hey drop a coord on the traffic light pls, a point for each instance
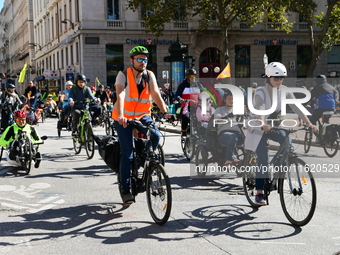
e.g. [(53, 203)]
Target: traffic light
[(190, 61)]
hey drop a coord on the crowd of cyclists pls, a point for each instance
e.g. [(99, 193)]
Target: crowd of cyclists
[(136, 91)]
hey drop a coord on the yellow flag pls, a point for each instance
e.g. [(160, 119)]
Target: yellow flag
[(22, 74), (98, 82), (225, 73)]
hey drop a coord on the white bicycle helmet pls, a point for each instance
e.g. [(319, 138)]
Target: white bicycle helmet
[(69, 83), (276, 69)]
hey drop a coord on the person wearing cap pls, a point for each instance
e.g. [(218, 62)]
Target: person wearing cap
[(258, 133), (325, 96), (10, 103), (136, 88), (11, 133)]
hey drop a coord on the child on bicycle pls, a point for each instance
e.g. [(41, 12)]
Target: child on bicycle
[(256, 138), (11, 134)]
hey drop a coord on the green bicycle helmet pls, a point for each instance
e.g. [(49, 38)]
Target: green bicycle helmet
[(138, 50)]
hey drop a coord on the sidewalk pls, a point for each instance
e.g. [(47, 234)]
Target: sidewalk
[(297, 137)]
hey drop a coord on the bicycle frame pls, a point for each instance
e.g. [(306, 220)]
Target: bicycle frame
[(281, 158), (84, 118)]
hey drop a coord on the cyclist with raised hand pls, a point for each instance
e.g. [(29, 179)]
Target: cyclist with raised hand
[(326, 97), (188, 89), (10, 102), (258, 133), (11, 134), (136, 87), (77, 95)]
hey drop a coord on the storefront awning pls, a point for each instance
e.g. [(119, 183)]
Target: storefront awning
[(24, 56), (39, 78)]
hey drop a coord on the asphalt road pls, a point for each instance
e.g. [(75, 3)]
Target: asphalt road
[(71, 205)]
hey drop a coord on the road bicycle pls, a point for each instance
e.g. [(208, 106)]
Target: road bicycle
[(84, 132), (153, 179), (328, 136), (290, 176)]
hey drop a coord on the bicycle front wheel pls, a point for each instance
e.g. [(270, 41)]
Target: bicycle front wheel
[(158, 194), (76, 143), (27, 159), (188, 148), (307, 142), (249, 178), (89, 141), (297, 193)]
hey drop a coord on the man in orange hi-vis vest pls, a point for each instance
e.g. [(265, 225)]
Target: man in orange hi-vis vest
[(136, 87)]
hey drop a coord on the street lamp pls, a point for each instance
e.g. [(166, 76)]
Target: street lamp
[(65, 22), (210, 69)]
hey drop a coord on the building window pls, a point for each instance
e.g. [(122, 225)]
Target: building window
[(66, 56), (113, 11), (62, 59), (114, 62), (333, 56), (304, 57), (71, 54), (145, 11), (70, 9), (58, 63), (77, 53), (91, 40), (274, 53), (242, 61)]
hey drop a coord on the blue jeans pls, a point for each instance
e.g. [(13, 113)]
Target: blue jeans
[(263, 157), (229, 139), (126, 148)]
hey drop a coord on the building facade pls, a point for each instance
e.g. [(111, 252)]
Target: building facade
[(60, 38)]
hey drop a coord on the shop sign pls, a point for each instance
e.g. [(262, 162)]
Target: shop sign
[(141, 41), (275, 42)]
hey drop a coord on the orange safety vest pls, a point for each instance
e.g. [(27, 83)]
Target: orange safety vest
[(135, 105)]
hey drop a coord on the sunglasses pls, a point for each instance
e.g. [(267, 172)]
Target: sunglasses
[(278, 78), (140, 60)]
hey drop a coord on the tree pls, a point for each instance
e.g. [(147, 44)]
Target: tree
[(328, 22), (156, 13)]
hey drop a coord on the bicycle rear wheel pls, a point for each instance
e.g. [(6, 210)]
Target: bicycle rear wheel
[(201, 161), (249, 176), (1, 153), (189, 148), (331, 147), (89, 141), (298, 193), (158, 194), (308, 140)]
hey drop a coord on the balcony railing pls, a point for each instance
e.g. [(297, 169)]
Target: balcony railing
[(180, 25), (116, 24)]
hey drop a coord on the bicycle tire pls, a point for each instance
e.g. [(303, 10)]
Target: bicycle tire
[(89, 141), (1, 153), (160, 154), (201, 161), (107, 126), (331, 148), (298, 203), (188, 148), (249, 178), (27, 160), (158, 194), (240, 154), (308, 141), (76, 144)]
